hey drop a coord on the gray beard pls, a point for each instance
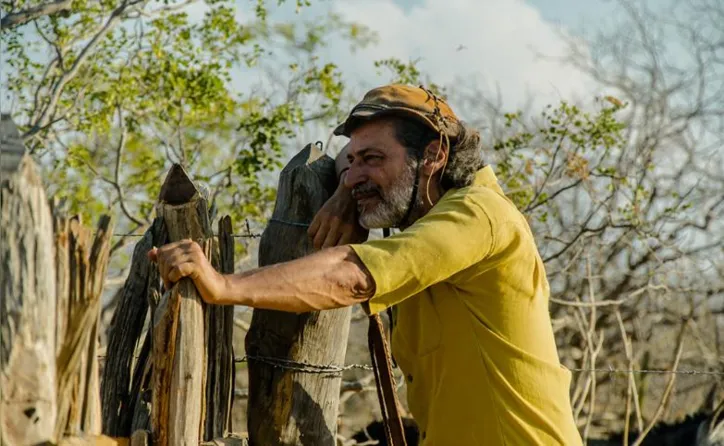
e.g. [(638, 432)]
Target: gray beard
[(392, 207)]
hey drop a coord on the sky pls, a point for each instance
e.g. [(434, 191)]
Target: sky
[(497, 43), (508, 46), (510, 49)]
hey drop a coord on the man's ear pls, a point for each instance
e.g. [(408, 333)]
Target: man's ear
[(435, 157)]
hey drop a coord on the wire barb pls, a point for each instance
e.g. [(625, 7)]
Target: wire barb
[(304, 367)]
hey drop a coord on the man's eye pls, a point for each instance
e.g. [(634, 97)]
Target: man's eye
[(372, 157)]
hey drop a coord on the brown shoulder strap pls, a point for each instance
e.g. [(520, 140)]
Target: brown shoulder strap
[(385, 380)]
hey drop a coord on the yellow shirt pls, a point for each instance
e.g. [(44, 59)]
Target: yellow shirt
[(473, 334)]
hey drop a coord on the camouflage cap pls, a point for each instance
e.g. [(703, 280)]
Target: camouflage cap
[(403, 100)]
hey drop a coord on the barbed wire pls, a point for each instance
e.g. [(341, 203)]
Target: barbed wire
[(247, 234), (305, 367), (252, 235), (653, 371), (316, 368), (333, 369)]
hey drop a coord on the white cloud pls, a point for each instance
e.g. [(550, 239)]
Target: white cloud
[(501, 40)]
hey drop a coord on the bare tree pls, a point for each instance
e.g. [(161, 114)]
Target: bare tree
[(626, 199)]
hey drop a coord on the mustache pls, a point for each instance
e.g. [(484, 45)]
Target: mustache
[(365, 189)]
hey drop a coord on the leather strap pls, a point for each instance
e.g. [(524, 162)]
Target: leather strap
[(385, 380)]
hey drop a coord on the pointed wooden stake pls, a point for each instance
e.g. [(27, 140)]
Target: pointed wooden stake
[(286, 406)]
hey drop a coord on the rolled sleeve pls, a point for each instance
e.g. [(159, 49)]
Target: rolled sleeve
[(454, 235)]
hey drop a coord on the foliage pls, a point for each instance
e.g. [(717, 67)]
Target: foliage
[(110, 92), (408, 73)]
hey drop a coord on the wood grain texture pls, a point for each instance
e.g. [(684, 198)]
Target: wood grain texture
[(165, 329), (227, 441), (62, 271), (77, 392), (185, 214), (142, 382), (11, 146), (125, 334), (92, 440), (220, 326), (140, 438), (289, 407), (28, 409), (141, 387)]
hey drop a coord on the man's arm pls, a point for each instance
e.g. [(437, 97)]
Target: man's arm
[(332, 278)]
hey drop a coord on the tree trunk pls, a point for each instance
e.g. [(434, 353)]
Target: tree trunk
[(28, 408), (295, 407)]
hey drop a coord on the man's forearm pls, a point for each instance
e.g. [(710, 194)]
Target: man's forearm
[(332, 278)]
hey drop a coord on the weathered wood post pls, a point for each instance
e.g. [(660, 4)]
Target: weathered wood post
[(125, 333), (179, 345), (295, 405), (187, 333), (81, 275), (28, 406), (220, 332), (52, 273)]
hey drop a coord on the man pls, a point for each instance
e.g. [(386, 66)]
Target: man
[(473, 334)]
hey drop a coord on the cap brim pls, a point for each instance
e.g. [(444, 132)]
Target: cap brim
[(362, 114), (345, 128)]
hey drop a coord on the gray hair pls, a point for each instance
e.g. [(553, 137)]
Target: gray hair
[(464, 159)]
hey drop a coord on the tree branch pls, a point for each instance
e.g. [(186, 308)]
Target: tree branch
[(67, 76), (117, 171), (13, 20)]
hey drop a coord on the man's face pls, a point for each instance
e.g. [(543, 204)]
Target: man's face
[(381, 174)]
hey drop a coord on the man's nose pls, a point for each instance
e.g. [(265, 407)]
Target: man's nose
[(354, 176)]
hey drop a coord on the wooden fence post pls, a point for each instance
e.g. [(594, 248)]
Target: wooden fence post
[(82, 274), (295, 405), (179, 344), (220, 376), (187, 333), (52, 272), (28, 406), (124, 334)]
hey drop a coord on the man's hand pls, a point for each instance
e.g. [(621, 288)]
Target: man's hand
[(336, 223), (185, 258)]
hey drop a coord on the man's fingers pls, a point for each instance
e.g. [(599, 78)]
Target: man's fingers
[(321, 235), (185, 245), (314, 227), (168, 261), (332, 235), (163, 270), (346, 238), (176, 260), (179, 271), (331, 240), (153, 254), (172, 253)]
